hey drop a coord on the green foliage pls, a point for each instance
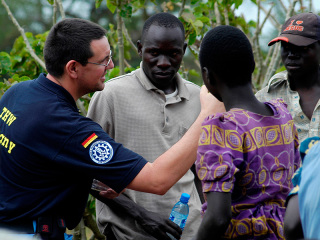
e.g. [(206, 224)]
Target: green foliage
[(91, 205), (126, 7), (5, 63), (21, 61), (51, 2), (18, 65), (126, 11), (193, 72), (111, 5)]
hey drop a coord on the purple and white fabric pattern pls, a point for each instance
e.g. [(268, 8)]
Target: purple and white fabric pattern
[(253, 157)]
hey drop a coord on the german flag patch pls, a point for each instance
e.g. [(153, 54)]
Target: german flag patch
[(89, 140)]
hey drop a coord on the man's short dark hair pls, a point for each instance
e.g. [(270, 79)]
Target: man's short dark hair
[(163, 19), (70, 39), (227, 51)]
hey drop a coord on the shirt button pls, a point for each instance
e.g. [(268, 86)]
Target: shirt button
[(302, 117), (299, 130), (313, 119)]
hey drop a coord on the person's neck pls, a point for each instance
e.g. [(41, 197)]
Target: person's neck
[(304, 82), (167, 89), (63, 83), (244, 98), (237, 97)]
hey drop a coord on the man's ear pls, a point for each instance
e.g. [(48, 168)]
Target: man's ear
[(205, 76), (71, 68), (139, 46), (184, 47)]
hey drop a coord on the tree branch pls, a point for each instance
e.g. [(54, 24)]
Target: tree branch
[(272, 19), (120, 38), (21, 30), (126, 34), (283, 6), (226, 15), (182, 8), (90, 222), (217, 13), (54, 12), (63, 15)]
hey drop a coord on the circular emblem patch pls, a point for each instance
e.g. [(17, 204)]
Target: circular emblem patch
[(101, 152)]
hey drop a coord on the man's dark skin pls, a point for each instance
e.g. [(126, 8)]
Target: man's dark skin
[(302, 64), (161, 50)]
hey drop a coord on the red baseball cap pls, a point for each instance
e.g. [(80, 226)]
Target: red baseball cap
[(301, 30)]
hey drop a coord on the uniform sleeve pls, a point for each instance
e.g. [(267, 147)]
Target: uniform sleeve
[(216, 154), (92, 153)]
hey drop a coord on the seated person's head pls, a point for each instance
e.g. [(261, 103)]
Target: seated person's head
[(70, 39), (226, 52)]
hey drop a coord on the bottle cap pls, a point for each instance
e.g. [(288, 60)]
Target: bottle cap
[(184, 197)]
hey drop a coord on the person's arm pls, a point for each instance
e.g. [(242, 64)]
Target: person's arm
[(158, 177), (198, 184), (217, 216), (153, 223), (292, 222)]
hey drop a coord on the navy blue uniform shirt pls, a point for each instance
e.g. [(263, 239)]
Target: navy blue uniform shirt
[(49, 154)]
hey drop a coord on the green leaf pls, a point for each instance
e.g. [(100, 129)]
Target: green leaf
[(113, 73), (204, 19), (193, 72), (198, 23), (129, 69), (252, 23), (98, 3), (5, 62), (15, 77), (127, 55), (51, 2), (238, 3), (192, 38), (111, 6), (126, 12), (24, 78), (188, 17)]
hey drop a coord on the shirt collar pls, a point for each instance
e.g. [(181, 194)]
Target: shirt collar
[(55, 88), (183, 91), (279, 77)]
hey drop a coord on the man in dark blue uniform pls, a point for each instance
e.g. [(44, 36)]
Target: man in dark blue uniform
[(49, 153)]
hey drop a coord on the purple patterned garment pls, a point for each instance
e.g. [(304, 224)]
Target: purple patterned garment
[(253, 157)]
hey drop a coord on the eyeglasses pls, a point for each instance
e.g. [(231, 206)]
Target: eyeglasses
[(105, 65)]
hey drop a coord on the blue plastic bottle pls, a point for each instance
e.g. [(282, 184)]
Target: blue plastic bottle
[(180, 212)]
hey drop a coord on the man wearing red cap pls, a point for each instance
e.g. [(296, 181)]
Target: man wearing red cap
[(298, 86)]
